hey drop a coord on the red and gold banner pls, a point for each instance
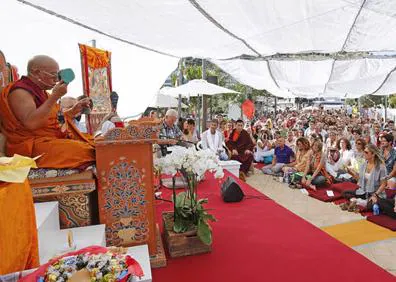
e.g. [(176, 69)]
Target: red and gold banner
[(4, 79), (96, 72)]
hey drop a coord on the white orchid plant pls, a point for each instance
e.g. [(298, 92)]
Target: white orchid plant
[(190, 160), (189, 212)]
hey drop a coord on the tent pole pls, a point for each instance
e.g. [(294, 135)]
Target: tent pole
[(199, 113), (180, 82), (204, 99), (386, 107)]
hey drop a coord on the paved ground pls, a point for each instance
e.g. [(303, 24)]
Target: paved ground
[(323, 214)]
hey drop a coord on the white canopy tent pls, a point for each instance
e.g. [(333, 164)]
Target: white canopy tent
[(165, 101), (198, 87), (230, 31)]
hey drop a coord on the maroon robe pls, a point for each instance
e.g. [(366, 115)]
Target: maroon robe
[(39, 95), (243, 143)]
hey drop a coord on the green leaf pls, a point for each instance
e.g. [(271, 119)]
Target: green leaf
[(180, 198), (207, 217), (204, 233), (177, 225), (203, 201)]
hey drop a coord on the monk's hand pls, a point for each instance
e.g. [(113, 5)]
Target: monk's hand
[(79, 106), (248, 152), (235, 152), (59, 90)]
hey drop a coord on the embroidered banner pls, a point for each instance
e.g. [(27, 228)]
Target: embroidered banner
[(96, 72)]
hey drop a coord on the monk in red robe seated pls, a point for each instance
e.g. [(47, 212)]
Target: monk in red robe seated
[(30, 122), (241, 146)]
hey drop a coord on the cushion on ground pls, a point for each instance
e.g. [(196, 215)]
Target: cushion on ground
[(321, 195), (383, 220), (390, 194), (344, 186), (259, 165)]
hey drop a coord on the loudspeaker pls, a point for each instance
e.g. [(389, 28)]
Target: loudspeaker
[(231, 191)]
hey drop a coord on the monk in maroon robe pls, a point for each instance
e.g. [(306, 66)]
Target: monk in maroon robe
[(241, 146)]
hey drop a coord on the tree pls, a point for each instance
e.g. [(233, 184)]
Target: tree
[(392, 101)]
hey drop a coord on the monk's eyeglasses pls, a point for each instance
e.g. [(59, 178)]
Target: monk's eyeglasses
[(52, 75)]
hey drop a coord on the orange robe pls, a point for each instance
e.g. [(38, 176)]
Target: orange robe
[(64, 147), (18, 237)]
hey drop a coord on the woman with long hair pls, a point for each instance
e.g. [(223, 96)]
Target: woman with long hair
[(315, 174), (189, 132), (345, 156), (301, 161), (358, 159), (371, 176)]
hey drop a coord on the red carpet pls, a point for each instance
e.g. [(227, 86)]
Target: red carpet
[(258, 240)]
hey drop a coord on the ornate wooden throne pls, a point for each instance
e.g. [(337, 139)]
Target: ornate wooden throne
[(124, 158)]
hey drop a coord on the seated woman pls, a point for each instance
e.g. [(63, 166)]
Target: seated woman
[(370, 178), (301, 161), (331, 142), (358, 159), (189, 133), (337, 168), (315, 174)]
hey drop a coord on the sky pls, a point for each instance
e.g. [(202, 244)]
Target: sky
[(137, 73)]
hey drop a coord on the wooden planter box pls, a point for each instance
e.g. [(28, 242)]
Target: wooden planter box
[(182, 244)]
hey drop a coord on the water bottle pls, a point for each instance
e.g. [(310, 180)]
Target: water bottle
[(286, 179), (376, 209)]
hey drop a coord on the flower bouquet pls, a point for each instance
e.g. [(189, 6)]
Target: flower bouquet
[(189, 215)]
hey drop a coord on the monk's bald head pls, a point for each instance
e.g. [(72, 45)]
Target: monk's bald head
[(42, 62), (67, 103)]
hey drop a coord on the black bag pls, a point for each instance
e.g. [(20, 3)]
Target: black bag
[(231, 191)]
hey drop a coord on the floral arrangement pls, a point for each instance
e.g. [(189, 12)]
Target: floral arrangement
[(189, 213), (189, 160), (109, 266)]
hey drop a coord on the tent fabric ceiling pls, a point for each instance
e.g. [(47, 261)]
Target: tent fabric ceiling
[(225, 30)]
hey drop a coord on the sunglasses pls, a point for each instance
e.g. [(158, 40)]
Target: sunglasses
[(366, 152)]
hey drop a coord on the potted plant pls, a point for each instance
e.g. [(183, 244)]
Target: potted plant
[(187, 228)]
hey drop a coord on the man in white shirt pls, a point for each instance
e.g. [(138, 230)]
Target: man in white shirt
[(212, 140)]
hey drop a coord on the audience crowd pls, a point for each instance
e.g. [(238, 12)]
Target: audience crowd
[(311, 149)]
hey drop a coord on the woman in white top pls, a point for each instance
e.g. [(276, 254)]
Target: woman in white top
[(346, 154)]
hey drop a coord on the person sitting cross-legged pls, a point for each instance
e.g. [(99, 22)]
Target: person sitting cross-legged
[(299, 165), (212, 139), (282, 156), (241, 146), (371, 178), (315, 174)]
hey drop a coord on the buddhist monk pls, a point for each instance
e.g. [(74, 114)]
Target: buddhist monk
[(30, 122), (241, 146), (18, 239)]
